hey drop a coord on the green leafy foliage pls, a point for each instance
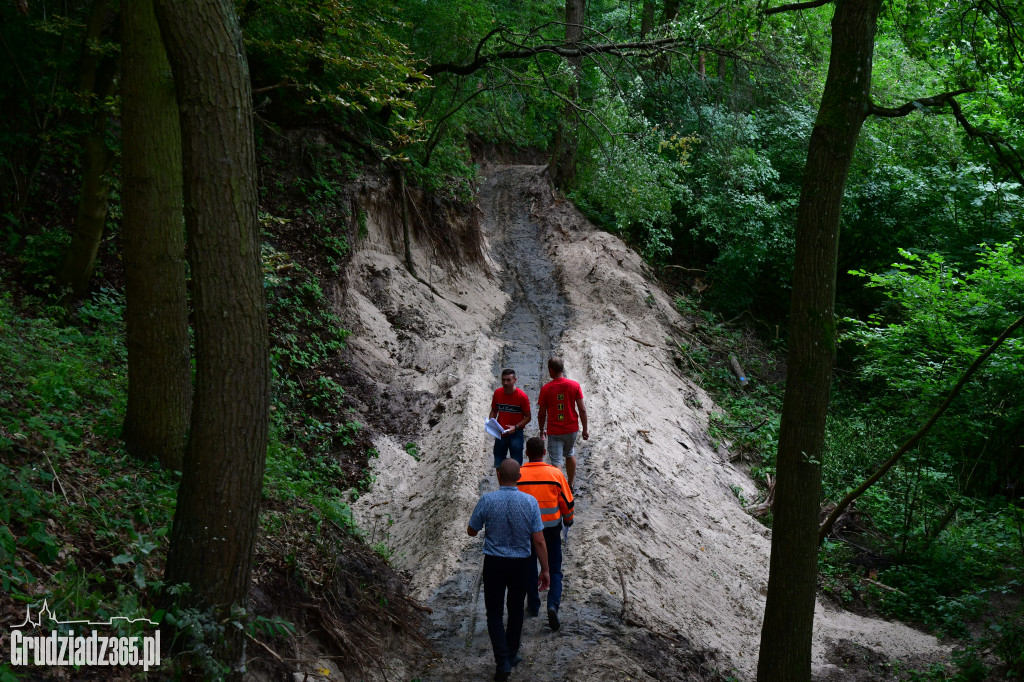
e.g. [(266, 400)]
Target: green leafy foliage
[(952, 542), (743, 208), (938, 318), (631, 180), (341, 57)]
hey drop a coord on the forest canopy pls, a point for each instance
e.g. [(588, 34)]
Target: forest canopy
[(686, 128)]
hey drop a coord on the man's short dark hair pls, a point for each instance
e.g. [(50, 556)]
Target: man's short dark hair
[(508, 370), (535, 447), (555, 365), (508, 471)]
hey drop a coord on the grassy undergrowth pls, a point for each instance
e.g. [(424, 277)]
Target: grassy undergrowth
[(916, 547), (86, 528)]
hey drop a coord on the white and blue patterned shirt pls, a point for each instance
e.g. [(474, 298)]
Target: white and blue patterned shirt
[(509, 518)]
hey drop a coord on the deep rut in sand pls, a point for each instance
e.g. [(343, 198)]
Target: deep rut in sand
[(662, 553), (529, 332)]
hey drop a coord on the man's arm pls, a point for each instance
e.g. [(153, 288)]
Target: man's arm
[(582, 412), (526, 418), (566, 503), (479, 517), (541, 547)]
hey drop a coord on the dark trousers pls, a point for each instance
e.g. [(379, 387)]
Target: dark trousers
[(503, 575), (553, 539)]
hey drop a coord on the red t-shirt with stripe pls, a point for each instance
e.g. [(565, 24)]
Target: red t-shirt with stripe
[(510, 408)]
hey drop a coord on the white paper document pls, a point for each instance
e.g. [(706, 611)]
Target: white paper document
[(493, 428)]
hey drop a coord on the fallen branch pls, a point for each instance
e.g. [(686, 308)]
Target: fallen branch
[(419, 607), (883, 586), (762, 508), (271, 651), (680, 267), (642, 343), (437, 293), (57, 478)]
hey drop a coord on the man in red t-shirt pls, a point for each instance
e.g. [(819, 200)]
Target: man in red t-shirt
[(560, 406), (512, 408)]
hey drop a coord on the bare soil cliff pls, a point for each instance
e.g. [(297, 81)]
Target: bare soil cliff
[(665, 574)]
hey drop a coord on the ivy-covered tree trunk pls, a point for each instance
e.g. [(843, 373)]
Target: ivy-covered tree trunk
[(159, 371), (785, 653), (214, 529), (563, 160), (95, 83)]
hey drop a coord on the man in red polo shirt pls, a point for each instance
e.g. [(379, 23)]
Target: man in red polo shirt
[(511, 406), (561, 408)]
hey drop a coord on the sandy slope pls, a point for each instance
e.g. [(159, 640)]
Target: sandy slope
[(663, 564)]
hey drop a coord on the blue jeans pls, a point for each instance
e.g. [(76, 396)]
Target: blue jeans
[(511, 445), (501, 574), (553, 539)]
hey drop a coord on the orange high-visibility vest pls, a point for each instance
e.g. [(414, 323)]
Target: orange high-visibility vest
[(548, 485)]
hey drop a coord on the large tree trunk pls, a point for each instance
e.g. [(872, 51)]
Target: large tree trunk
[(563, 160), (159, 372), (785, 653), (218, 501), (671, 11), (95, 84), (646, 19)]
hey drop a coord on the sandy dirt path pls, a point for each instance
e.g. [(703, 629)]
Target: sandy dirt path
[(665, 574)]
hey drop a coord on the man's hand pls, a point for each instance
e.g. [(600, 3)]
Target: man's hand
[(586, 434), (509, 431), (543, 433), (541, 548)]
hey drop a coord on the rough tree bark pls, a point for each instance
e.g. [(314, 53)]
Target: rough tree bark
[(95, 83), (785, 653), (159, 372), (215, 522), (646, 19), (563, 159)]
